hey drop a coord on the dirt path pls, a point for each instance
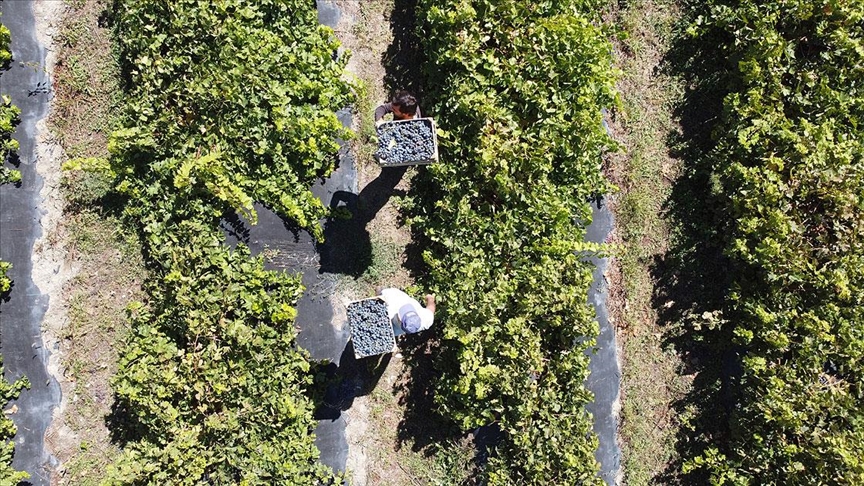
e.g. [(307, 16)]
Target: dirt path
[(364, 30), (652, 377), (90, 264), (52, 269), (388, 435)]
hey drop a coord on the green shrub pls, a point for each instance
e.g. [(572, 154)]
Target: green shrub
[(517, 87), (790, 157), (229, 102)]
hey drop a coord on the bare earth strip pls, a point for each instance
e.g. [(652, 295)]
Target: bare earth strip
[(652, 371), (51, 269), (93, 264)]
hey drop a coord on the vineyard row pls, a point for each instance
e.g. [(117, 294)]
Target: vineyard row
[(228, 103), (517, 87), (789, 156)]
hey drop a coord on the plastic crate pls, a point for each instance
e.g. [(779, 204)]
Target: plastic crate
[(389, 124), (390, 327)]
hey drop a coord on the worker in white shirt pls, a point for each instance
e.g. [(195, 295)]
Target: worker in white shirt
[(406, 314)]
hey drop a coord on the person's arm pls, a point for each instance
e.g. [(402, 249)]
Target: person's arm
[(383, 110), (427, 314)]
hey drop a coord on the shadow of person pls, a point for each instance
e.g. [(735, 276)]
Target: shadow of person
[(350, 379), (375, 195), (347, 247)]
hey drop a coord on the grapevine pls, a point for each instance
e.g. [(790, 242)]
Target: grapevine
[(516, 88), (8, 392), (228, 103), (790, 160), (5, 41), (8, 118)]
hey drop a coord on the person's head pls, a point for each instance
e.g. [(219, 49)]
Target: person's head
[(404, 106), (410, 320)]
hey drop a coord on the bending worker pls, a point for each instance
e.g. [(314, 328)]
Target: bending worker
[(404, 107), (406, 314)]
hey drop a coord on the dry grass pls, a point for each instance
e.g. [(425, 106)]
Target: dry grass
[(86, 81), (110, 276)]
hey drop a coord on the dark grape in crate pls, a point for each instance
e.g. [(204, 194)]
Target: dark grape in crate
[(407, 142), (371, 329)]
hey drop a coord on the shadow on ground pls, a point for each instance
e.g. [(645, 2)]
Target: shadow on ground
[(423, 428), (350, 379), (403, 60), (694, 276), (347, 247)]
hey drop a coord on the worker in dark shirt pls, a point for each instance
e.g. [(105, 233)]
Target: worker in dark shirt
[(404, 107)]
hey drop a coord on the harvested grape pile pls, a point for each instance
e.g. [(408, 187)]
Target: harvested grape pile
[(371, 330), (405, 142)]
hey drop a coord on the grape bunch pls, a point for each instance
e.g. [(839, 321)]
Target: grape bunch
[(405, 142), (371, 330)]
